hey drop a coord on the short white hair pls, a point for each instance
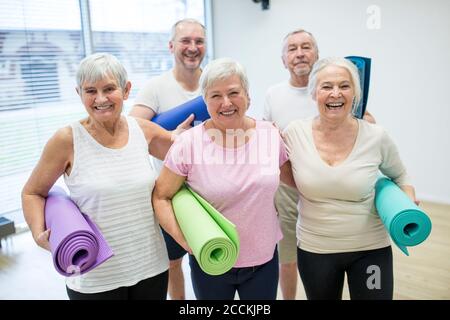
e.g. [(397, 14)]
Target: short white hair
[(340, 62), (98, 66), (314, 42), (221, 69)]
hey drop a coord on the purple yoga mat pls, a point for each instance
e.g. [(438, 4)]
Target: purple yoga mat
[(76, 243)]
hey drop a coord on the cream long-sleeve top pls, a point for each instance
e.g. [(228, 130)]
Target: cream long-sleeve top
[(337, 210)]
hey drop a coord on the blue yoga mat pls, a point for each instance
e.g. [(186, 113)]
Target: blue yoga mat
[(170, 119), (363, 64), (406, 223)]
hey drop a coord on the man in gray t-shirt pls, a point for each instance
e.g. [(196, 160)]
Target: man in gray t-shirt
[(162, 93), (285, 102)]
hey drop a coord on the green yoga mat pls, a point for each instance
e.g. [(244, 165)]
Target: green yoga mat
[(406, 223), (213, 239)]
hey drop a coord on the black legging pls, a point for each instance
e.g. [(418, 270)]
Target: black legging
[(252, 283), (323, 274), (154, 288)]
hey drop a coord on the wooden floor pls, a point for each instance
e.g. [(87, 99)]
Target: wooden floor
[(26, 271)]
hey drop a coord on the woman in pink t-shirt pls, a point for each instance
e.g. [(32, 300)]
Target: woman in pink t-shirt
[(235, 163)]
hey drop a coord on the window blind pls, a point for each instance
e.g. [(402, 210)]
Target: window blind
[(138, 34), (41, 44)]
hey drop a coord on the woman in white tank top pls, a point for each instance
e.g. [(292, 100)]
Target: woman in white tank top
[(105, 164)]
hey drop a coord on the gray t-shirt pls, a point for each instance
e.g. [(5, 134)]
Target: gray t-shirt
[(161, 94), (285, 103)]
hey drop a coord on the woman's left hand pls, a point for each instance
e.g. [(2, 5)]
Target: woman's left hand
[(411, 193), (185, 125)]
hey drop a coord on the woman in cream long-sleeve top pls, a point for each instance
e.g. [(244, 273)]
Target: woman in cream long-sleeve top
[(335, 161)]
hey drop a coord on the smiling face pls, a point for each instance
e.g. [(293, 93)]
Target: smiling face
[(188, 45), (227, 103), (299, 54), (334, 92), (103, 99)]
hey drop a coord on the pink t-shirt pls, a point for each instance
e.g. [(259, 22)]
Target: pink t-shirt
[(239, 182)]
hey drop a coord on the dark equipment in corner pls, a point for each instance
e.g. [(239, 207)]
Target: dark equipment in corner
[(265, 4), (6, 228)]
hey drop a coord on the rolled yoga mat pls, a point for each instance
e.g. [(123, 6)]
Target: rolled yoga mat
[(406, 223), (213, 238), (364, 65), (76, 243), (170, 119)]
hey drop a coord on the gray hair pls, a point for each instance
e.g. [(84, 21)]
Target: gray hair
[(221, 69), (99, 66), (173, 31), (314, 42), (340, 62)]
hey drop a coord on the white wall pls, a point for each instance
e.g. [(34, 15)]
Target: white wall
[(410, 83)]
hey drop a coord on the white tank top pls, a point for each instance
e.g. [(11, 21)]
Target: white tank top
[(113, 187)]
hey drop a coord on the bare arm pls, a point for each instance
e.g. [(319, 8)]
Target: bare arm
[(54, 161), (143, 112), (159, 140), (286, 174), (166, 186)]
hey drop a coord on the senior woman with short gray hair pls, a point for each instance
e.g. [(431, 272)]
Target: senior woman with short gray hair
[(335, 161), (104, 159), (235, 163)]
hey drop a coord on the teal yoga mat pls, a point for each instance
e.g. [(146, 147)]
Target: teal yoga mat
[(406, 223), (213, 238)]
